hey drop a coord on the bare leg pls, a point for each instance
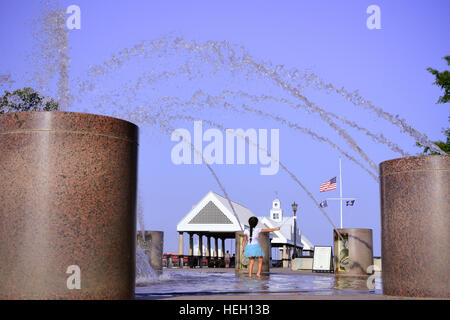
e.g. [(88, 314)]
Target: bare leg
[(260, 262), (250, 267)]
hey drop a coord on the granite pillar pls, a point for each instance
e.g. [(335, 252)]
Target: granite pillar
[(415, 223), (68, 200), (153, 247), (355, 255)]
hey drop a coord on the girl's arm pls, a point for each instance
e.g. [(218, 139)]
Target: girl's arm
[(270, 230), (244, 243)]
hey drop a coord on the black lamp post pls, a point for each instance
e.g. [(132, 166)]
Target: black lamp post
[(294, 208)]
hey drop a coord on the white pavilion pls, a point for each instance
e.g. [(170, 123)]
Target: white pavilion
[(213, 217)]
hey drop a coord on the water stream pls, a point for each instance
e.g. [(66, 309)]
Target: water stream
[(176, 61)]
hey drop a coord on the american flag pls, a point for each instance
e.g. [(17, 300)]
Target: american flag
[(329, 185)]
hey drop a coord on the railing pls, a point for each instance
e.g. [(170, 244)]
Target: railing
[(185, 261)]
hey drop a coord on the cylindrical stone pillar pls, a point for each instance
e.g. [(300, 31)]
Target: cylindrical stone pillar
[(153, 247), (67, 206), (355, 255), (415, 223), (264, 241)]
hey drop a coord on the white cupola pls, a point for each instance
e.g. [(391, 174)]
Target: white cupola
[(276, 213)]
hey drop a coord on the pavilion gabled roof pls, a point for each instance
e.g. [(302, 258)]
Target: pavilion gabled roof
[(215, 214)]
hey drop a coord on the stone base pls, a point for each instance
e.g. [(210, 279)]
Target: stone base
[(415, 221), (68, 206)]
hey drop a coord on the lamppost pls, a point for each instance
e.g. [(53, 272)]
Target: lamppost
[(294, 208)]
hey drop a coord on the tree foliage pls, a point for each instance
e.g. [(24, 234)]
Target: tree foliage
[(443, 81), (26, 99), (444, 146)]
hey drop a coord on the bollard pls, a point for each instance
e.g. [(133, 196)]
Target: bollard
[(415, 223), (68, 201), (264, 241), (355, 255), (153, 247)]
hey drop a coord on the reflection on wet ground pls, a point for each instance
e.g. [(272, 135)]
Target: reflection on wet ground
[(179, 283)]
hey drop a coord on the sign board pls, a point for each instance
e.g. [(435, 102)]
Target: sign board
[(323, 259)]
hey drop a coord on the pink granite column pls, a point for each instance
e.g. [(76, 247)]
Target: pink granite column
[(67, 213), (415, 207)]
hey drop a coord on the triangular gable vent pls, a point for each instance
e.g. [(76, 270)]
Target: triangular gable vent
[(210, 214)]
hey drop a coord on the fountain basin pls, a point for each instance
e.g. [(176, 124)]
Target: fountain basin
[(68, 194), (415, 210)]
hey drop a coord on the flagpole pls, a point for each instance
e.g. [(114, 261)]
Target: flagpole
[(340, 186)]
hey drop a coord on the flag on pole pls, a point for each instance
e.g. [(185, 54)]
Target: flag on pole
[(323, 204), (349, 203), (329, 185)]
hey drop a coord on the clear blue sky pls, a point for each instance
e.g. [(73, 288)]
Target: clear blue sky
[(329, 38)]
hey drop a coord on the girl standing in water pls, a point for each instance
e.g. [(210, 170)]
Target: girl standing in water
[(253, 249)]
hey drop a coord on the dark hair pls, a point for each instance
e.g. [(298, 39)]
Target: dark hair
[(253, 221)]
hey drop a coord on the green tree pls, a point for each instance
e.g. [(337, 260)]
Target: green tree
[(26, 99), (444, 146), (443, 81)]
